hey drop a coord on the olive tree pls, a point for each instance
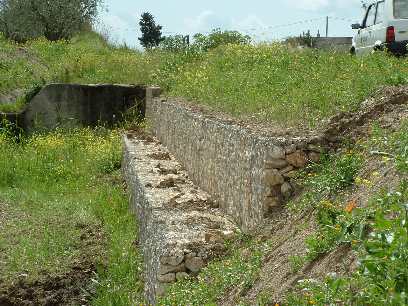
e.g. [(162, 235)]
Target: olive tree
[(55, 19)]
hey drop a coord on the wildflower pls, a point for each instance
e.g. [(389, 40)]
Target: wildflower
[(351, 206)]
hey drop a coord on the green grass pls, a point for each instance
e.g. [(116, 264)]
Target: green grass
[(238, 270), (378, 233), (63, 205), (268, 82)]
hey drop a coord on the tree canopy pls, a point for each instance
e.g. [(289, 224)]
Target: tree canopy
[(151, 33), (21, 20)]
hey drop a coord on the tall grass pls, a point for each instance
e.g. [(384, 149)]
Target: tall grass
[(268, 82), (64, 207)]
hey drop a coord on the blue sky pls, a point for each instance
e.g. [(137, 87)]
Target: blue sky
[(264, 20)]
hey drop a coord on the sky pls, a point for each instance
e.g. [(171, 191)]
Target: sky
[(263, 20)]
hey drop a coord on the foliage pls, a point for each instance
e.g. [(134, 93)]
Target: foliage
[(56, 189), (21, 20), (233, 271), (151, 33), (219, 38), (323, 180), (382, 277), (379, 233), (176, 43), (266, 82), (87, 58)]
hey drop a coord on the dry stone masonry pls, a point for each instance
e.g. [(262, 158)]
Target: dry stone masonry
[(181, 227), (247, 172)]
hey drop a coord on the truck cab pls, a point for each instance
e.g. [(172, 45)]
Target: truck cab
[(384, 27)]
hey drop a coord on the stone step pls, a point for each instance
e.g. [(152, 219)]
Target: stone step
[(180, 227)]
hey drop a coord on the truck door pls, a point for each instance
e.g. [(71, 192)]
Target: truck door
[(364, 36)]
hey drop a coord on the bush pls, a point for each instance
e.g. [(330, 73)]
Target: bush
[(219, 38)]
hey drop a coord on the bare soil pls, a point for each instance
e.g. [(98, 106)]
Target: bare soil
[(74, 287)]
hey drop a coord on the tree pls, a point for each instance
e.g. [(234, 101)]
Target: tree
[(57, 19), (151, 33)]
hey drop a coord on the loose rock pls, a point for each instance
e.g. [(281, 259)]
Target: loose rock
[(298, 159), (195, 264), (164, 269), (181, 276), (273, 177), (286, 190), (167, 278), (276, 164), (314, 157)]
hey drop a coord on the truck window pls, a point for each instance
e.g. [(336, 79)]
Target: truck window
[(401, 9), (370, 19), (380, 12)]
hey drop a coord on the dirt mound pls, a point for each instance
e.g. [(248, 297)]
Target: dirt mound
[(387, 107), (71, 289)]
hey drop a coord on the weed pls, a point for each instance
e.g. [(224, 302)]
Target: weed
[(296, 262), (379, 233), (67, 208), (237, 270), (268, 82)]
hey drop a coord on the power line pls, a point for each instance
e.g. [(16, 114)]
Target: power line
[(256, 31)]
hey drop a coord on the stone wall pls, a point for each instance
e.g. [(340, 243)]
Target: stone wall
[(332, 43), (248, 173), (180, 227)]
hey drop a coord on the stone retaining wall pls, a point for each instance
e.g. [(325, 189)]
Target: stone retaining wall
[(248, 173), (180, 226)]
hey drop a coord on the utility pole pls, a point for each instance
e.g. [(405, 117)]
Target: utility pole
[(327, 26), (186, 40)]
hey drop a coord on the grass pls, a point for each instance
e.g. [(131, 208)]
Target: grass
[(64, 207), (378, 233), (238, 270), (268, 82)]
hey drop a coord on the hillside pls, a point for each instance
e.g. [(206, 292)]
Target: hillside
[(342, 240), (268, 83)]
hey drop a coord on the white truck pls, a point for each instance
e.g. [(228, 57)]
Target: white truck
[(384, 27)]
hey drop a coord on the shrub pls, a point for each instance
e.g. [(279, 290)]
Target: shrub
[(219, 38)]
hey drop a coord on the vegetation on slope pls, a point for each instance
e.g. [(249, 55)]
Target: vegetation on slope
[(71, 175), (270, 82), (64, 215), (378, 233)]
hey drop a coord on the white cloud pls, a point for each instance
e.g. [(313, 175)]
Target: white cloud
[(315, 5), (309, 5), (205, 22)]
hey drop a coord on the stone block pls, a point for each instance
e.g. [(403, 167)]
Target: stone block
[(167, 278), (181, 276), (272, 177), (195, 264), (276, 164), (297, 159)]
